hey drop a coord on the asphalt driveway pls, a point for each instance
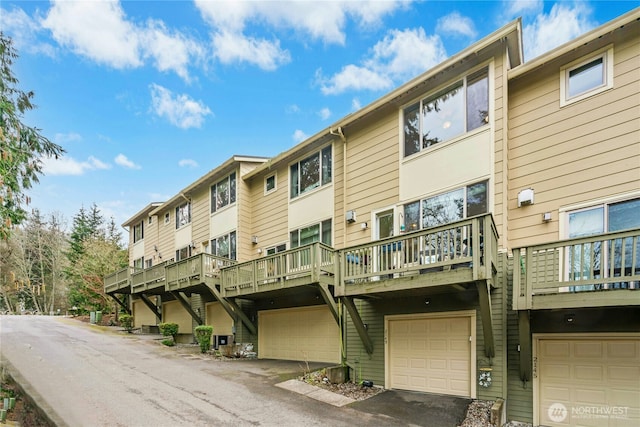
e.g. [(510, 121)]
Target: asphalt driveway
[(84, 375)]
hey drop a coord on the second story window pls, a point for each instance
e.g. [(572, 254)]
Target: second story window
[(448, 207), (225, 246), (183, 215), (444, 115), (320, 232), (138, 232), (311, 172), (223, 193)]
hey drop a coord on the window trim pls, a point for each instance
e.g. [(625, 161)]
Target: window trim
[(465, 191), (320, 231), (606, 54), (167, 218), (322, 180), (233, 249), (565, 211), (275, 183), (139, 225), (179, 207), (439, 91), (233, 195)]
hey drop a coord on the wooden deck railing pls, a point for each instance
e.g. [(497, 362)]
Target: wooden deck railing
[(195, 270), (118, 280), (471, 243), (548, 274), (307, 264), (149, 278)]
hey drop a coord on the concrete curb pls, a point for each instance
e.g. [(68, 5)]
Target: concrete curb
[(316, 393), (35, 399)]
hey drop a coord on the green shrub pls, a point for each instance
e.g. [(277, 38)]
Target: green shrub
[(203, 336), (169, 330), (169, 343), (126, 321)]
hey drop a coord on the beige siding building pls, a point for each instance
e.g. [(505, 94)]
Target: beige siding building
[(475, 232)]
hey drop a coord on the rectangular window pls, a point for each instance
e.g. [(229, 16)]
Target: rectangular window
[(444, 115), (183, 215), (320, 232), (448, 207), (269, 183), (586, 77), (138, 263), (276, 249), (223, 193), (138, 232), (311, 172), (150, 220), (148, 263), (183, 253), (167, 218), (225, 246), (586, 259)]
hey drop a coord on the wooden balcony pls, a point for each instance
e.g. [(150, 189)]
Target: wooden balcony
[(595, 271), (149, 280), (119, 282), (455, 254), (306, 265), (194, 271)]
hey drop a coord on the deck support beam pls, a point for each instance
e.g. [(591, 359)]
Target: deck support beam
[(121, 303), (145, 299), (182, 299), (524, 332), (328, 298), (232, 309), (486, 315), (359, 325)]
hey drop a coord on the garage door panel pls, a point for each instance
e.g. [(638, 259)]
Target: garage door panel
[(589, 374), (430, 354), (308, 333)]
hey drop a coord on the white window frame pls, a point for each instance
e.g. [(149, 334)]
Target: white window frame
[(464, 84), (275, 183), (230, 236), (167, 218), (607, 80), (187, 221), (321, 182), (138, 226), (233, 192)]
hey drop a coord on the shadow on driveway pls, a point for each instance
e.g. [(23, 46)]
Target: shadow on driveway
[(419, 409)]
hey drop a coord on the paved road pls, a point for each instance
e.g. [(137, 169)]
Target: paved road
[(92, 376)]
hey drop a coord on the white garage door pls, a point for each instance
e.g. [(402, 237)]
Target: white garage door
[(307, 333), (588, 381), (430, 354)]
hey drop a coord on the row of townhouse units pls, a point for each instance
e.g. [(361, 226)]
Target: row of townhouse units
[(475, 232)]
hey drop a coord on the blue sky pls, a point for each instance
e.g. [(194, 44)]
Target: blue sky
[(147, 96)]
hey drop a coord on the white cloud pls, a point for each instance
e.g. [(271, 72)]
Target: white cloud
[(180, 110), (299, 136), (398, 57), (233, 47), (456, 24), (562, 24), (188, 163), (71, 166), (324, 113), (123, 161), (24, 32), (292, 109), (100, 31), (64, 138), (233, 22), (522, 7), (355, 104)]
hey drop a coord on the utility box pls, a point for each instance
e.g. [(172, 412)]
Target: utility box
[(219, 340)]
